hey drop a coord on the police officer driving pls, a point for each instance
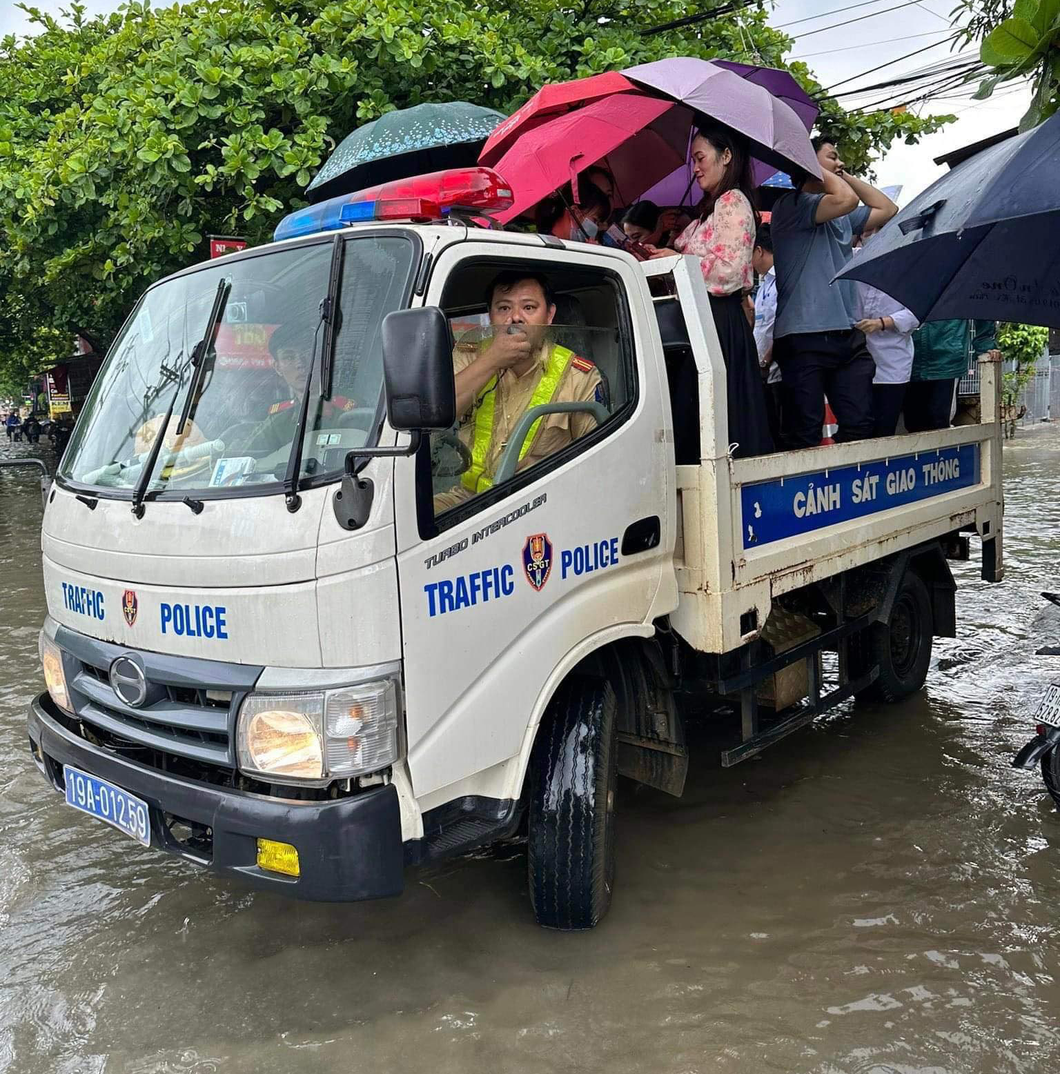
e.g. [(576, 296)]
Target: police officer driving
[(520, 366), (291, 348)]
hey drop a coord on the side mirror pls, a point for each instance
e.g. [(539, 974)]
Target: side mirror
[(418, 370)]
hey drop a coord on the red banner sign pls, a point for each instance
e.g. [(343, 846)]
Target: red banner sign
[(225, 244)]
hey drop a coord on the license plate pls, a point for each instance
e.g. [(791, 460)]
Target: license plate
[(1049, 706), (98, 798)]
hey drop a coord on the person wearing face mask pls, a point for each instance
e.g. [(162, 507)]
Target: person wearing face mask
[(722, 237), (579, 221)]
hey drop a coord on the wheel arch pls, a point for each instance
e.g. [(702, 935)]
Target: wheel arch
[(931, 564), (651, 731)]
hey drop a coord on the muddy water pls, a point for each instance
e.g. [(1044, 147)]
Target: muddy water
[(877, 894)]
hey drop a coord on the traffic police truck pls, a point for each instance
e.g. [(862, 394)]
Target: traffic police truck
[(318, 660)]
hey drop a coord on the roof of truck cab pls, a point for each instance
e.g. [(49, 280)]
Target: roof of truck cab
[(441, 234)]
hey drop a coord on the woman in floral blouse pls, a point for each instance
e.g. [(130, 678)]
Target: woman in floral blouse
[(722, 237)]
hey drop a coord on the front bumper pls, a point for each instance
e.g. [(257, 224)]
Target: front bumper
[(348, 848)]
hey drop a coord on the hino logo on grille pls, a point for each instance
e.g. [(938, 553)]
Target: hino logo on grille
[(128, 681)]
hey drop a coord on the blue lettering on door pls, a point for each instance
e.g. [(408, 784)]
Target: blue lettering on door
[(586, 558), (786, 507), (469, 590), (194, 620)]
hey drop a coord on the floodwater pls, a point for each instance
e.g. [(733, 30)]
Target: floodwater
[(879, 893)]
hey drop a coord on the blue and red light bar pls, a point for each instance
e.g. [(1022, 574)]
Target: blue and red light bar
[(422, 198)]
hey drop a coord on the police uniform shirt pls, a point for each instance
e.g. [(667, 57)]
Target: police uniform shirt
[(278, 427), (580, 383)]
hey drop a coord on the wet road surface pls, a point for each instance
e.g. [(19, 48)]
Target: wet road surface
[(879, 894)]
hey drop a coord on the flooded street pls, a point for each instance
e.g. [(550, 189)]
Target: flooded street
[(879, 893)]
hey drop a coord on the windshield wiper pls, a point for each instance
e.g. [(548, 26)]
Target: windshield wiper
[(331, 317), (149, 463), (328, 311), (224, 287), (294, 463), (202, 348)]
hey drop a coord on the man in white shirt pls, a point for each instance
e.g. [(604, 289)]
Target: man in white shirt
[(765, 316)]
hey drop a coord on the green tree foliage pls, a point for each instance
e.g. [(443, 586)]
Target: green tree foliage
[(1019, 39), (125, 139), (1023, 344)]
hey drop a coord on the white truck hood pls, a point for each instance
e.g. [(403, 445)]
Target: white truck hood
[(245, 580)]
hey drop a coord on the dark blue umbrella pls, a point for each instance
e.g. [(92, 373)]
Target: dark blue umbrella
[(982, 242), (406, 142)]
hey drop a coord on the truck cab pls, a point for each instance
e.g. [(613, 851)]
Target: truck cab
[(290, 639)]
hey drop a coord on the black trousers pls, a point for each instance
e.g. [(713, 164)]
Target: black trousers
[(887, 401), (928, 404), (815, 364)]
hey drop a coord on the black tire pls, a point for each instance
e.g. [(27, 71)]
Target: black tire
[(1051, 774), (901, 646), (571, 830)]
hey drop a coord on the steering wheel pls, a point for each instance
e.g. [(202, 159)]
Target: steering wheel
[(449, 439), (360, 417)]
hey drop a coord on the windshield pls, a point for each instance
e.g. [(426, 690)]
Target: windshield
[(248, 380)]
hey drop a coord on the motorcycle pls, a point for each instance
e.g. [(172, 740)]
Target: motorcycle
[(1043, 747)]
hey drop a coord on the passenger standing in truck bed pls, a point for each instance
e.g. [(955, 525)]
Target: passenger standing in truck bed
[(723, 238), (816, 344)]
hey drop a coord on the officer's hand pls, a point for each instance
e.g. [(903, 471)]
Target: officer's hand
[(509, 347)]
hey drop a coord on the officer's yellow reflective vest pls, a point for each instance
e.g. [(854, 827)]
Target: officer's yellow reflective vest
[(475, 477)]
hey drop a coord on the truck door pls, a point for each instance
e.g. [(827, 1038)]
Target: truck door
[(502, 584)]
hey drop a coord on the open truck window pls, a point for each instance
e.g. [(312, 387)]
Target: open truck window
[(576, 379)]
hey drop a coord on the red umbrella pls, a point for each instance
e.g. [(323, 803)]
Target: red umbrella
[(642, 138), (550, 101)]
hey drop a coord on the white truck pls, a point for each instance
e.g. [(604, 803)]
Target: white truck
[(276, 647)]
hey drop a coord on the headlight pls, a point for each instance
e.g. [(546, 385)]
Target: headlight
[(318, 737), (51, 659)]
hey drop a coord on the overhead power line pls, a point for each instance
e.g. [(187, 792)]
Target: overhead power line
[(825, 14), (850, 22), (889, 63), (868, 44), (691, 20), (938, 85)]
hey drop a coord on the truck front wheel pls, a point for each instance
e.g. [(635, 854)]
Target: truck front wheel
[(571, 830), (901, 646)]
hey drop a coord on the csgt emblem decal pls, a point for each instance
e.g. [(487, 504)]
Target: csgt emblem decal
[(537, 559), (128, 681), (129, 606)]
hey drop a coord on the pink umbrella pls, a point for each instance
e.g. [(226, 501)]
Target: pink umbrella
[(642, 138), (551, 100)]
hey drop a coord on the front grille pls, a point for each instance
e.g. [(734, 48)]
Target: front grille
[(189, 710), (177, 726)]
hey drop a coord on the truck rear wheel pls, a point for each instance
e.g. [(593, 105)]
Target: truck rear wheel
[(571, 830), (901, 646), (1051, 774)]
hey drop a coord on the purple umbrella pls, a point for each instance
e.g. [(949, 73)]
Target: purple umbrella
[(781, 84), (744, 98)]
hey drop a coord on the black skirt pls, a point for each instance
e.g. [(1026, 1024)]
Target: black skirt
[(748, 416)]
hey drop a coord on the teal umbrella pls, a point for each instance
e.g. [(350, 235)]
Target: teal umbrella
[(410, 141)]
